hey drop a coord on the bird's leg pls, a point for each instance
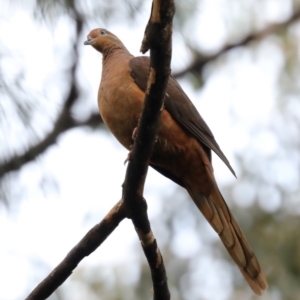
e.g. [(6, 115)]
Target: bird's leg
[(133, 136), (128, 155), (134, 133)]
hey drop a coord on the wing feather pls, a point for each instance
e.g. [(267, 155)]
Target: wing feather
[(180, 108)]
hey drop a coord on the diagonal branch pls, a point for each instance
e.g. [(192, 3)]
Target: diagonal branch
[(63, 123), (201, 61), (90, 242)]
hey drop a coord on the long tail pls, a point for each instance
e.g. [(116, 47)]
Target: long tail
[(217, 213)]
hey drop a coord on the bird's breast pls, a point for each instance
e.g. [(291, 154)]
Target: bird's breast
[(120, 104)]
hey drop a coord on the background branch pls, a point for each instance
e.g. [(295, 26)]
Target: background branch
[(64, 121), (202, 60)]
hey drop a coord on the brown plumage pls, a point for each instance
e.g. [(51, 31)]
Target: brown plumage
[(183, 150)]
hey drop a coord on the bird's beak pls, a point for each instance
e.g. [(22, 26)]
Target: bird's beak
[(89, 41)]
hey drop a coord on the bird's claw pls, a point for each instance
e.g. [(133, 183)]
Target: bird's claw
[(134, 132), (133, 136), (128, 155)]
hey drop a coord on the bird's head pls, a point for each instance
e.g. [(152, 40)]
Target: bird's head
[(102, 40)]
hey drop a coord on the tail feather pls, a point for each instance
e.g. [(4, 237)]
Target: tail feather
[(217, 213)]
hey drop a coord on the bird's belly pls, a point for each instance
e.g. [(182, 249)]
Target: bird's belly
[(120, 110)]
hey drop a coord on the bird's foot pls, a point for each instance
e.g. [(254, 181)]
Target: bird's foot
[(128, 155), (134, 132), (133, 136)]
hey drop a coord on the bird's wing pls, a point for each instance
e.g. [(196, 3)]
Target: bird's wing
[(180, 108)]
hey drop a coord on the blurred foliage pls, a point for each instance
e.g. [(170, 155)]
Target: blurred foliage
[(266, 198)]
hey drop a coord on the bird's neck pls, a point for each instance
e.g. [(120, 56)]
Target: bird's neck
[(114, 51)]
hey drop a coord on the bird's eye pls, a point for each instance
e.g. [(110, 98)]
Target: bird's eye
[(103, 32)]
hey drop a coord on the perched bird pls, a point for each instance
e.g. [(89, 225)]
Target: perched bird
[(184, 143)]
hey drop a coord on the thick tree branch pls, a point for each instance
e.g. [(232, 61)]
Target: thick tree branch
[(157, 38), (90, 242), (201, 61)]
